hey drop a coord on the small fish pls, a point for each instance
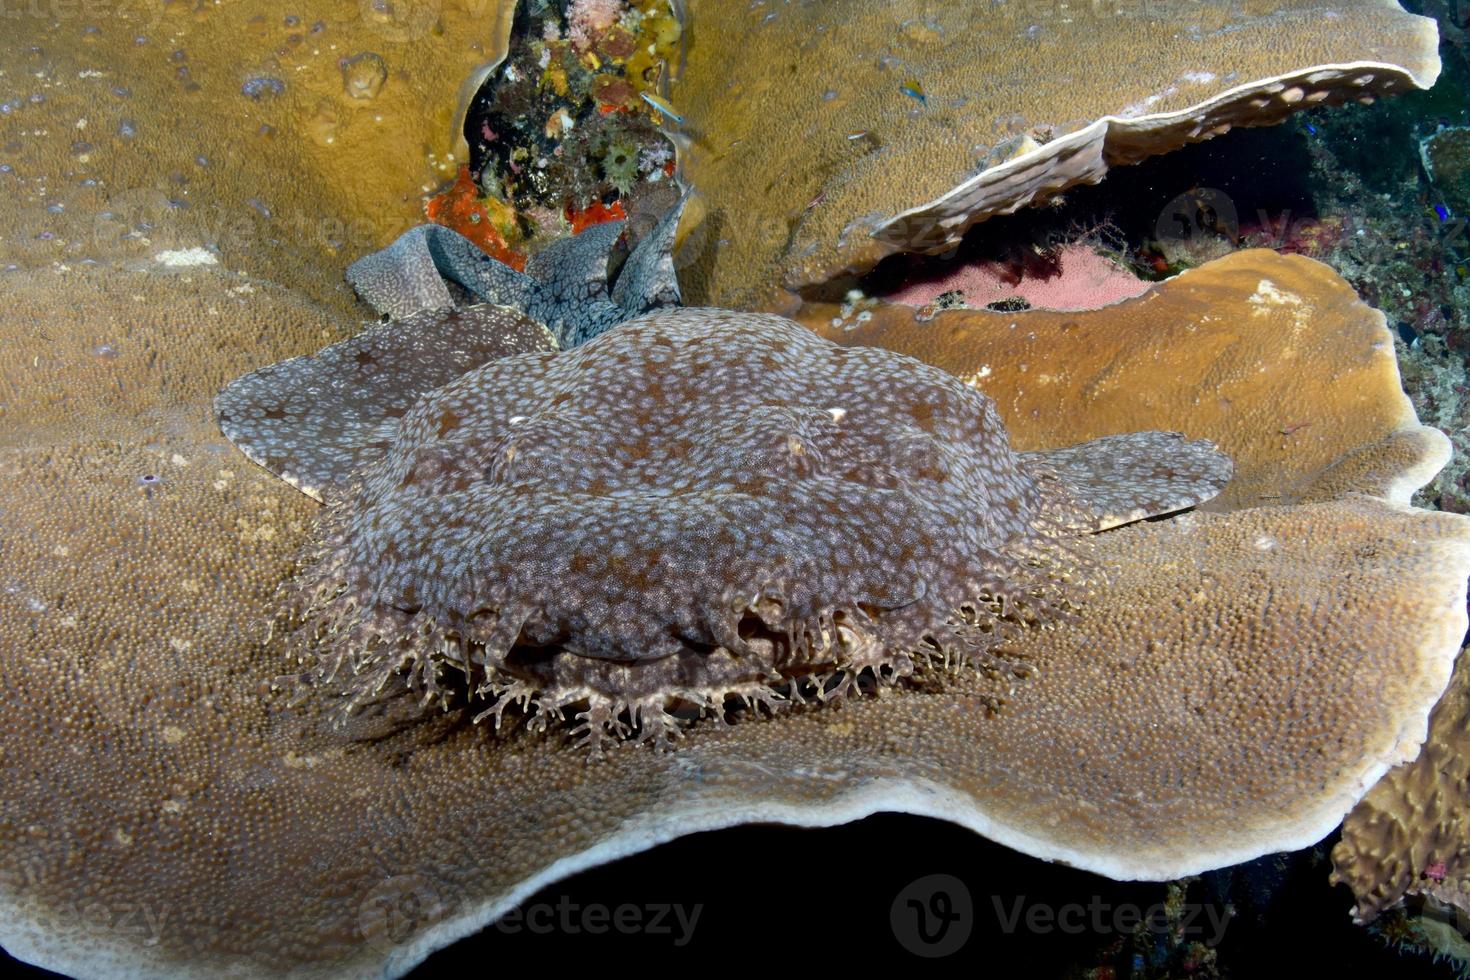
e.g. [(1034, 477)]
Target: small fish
[(1442, 211), (1311, 129), (663, 107), (914, 90)]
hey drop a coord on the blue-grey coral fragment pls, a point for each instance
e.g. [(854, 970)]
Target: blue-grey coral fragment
[(697, 505), (566, 287)]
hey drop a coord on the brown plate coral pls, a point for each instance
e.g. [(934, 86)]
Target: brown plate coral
[(262, 135), (895, 127), (1245, 674), (1407, 837), (1237, 684)]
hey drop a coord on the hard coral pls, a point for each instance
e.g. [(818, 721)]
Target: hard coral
[(138, 135), (1308, 400), (1408, 837), (1219, 700), (1216, 699), (1446, 158), (1020, 102)]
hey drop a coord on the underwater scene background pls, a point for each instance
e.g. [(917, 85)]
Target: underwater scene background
[(353, 446)]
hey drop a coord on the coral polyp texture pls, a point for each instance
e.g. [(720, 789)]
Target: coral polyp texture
[(108, 162), (894, 127), (1408, 837), (698, 506)]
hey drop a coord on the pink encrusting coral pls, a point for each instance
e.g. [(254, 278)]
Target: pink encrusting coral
[(1073, 278)]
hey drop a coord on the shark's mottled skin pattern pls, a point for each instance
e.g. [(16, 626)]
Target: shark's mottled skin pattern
[(567, 287), (690, 506), (701, 505)]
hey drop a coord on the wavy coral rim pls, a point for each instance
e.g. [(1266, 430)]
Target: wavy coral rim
[(1096, 135)]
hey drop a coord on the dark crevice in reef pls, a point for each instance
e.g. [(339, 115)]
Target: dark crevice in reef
[(1134, 214)]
